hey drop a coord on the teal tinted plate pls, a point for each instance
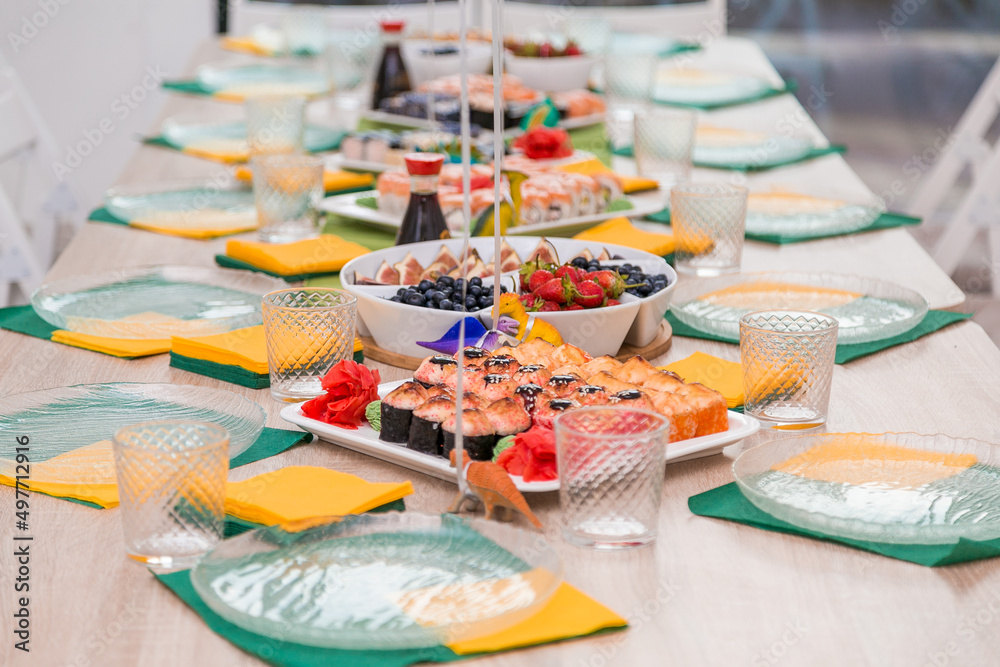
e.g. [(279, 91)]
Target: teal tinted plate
[(63, 419), (152, 303), (233, 136), (765, 152), (702, 87), (380, 581), (798, 215), (263, 78), (171, 201)]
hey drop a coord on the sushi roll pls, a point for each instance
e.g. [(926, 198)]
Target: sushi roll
[(378, 145), (636, 370), (436, 370), (611, 188), (632, 398), (534, 351), (563, 385), (425, 426), (475, 356), (473, 400), (568, 355), (397, 410), (531, 374), (502, 364), (546, 413), (353, 146), (472, 379), (610, 382), (478, 435), (591, 394), (663, 381), (586, 190), (439, 390), (606, 363), (508, 417), (528, 396), (496, 386), (535, 204), (393, 191), (451, 208)]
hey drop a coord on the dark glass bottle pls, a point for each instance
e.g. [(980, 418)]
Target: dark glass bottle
[(391, 78), (423, 220)]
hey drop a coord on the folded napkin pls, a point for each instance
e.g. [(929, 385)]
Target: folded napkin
[(323, 254), (621, 231), (568, 614), (725, 377), (24, 320), (627, 151), (933, 321), (209, 226), (630, 184), (727, 502), (245, 44), (884, 221), (334, 182), (85, 475), (227, 151), (298, 493), (239, 93)]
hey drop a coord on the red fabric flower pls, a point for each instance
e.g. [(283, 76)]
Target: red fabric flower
[(533, 455), (349, 387), (544, 143)]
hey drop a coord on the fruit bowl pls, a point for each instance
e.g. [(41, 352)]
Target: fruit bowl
[(552, 75), (422, 65), (398, 327)]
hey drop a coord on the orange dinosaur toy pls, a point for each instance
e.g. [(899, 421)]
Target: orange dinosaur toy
[(494, 488)]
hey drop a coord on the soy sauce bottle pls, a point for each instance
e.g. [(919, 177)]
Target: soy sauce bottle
[(392, 77), (423, 220)]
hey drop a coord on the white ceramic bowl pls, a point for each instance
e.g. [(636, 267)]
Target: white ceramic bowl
[(398, 327), (421, 66), (553, 75)]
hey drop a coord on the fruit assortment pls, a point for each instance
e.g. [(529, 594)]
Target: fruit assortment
[(545, 49), (409, 271)]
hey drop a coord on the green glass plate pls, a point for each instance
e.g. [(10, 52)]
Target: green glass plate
[(702, 87), (168, 203), (262, 77), (233, 136)]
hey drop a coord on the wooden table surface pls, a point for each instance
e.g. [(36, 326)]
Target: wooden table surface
[(707, 593)]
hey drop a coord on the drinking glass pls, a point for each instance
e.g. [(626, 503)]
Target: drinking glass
[(275, 124), (591, 33), (287, 192), (787, 358), (629, 74), (172, 486), (610, 475), (304, 29), (664, 139), (307, 331), (709, 220)]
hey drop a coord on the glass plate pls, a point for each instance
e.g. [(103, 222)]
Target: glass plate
[(867, 309), (64, 419), (232, 137), (155, 302), (695, 86), (902, 488), (263, 78), (184, 204), (800, 215), (757, 149), (380, 581)]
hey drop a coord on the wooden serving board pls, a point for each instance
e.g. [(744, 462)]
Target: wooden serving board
[(659, 346)]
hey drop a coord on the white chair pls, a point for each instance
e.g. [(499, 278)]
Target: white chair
[(980, 204), (32, 200)]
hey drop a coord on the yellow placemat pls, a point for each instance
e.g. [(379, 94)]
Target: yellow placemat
[(621, 231), (725, 377), (324, 254)]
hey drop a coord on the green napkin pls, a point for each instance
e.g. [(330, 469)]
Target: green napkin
[(789, 87), (933, 321), (627, 151), (230, 372), (728, 502), (104, 215), (884, 221), (189, 87), (332, 144), (270, 442), (24, 320), (678, 47)]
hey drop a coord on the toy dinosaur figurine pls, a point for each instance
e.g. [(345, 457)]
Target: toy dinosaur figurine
[(515, 321), (494, 488)]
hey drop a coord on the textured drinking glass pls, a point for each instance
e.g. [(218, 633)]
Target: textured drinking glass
[(709, 220), (172, 486), (591, 33), (629, 73), (664, 139), (307, 331), (610, 475), (304, 29), (287, 191), (275, 124), (787, 358)]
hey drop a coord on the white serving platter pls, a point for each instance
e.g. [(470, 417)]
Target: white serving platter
[(365, 440), (424, 124)]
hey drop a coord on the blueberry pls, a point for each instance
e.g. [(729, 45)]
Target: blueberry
[(432, 304), (447, 281), (580, 262), (459, 283), (425, 285), (471, 303), (485, 301), (644, 290), (627, 268), (397, 299), (447, 291), (401, 292), (416, 300), (635, 274), (475, 290), (476, 281), (503, 290), (660, 277), (632, 281), (617, 257), (446, 304), (434, 295)]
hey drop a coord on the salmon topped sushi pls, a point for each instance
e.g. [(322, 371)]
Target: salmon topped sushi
[(502, 364), (425, 426), (632, 398), (475, 356), (478, 436), (436, 370), (508, 417), (496, 386), (397, 410), (529, 395), (393, 188), (532, 374), (546, 413), (590, 394), (564, 385)]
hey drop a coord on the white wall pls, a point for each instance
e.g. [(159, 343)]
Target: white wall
[(85, 63)]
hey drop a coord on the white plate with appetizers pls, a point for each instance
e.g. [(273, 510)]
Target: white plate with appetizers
[(365, 440), (347, 205)]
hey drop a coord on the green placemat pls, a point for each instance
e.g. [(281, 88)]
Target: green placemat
[(736, 166), (104, 215), (230, 372), (789, 87), (189, 87), (24, 320), (727, 502), (933, 321), (884, 221)]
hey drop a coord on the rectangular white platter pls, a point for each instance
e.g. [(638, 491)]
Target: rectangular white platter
[(424, 124), (346, 205), (365, 440)]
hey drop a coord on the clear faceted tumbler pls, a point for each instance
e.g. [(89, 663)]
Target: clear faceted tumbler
[(287, 191), (275, 124), (788, 358), (172, 486), (709, 221), (610, 475), (307, 331), (664, 140)]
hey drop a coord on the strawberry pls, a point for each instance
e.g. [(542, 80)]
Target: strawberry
[(545, 50), (559, 290), (573, 50), (549, 307), (539, 278), (610, 281), (529, 301), (613, 302), (566, 270), (589, 294), (574, 306)]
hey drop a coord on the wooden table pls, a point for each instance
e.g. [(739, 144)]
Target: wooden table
[(708, 593)]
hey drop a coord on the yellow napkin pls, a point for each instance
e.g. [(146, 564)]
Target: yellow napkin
[(205, 224), (569, 613), (245, 45), (86, 473), (298, 493), (621, 231), (725, 377), (333, 181), (630, 184), (241, 347), (240, 92), (116, 347), (323, 254), (221, 150)]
